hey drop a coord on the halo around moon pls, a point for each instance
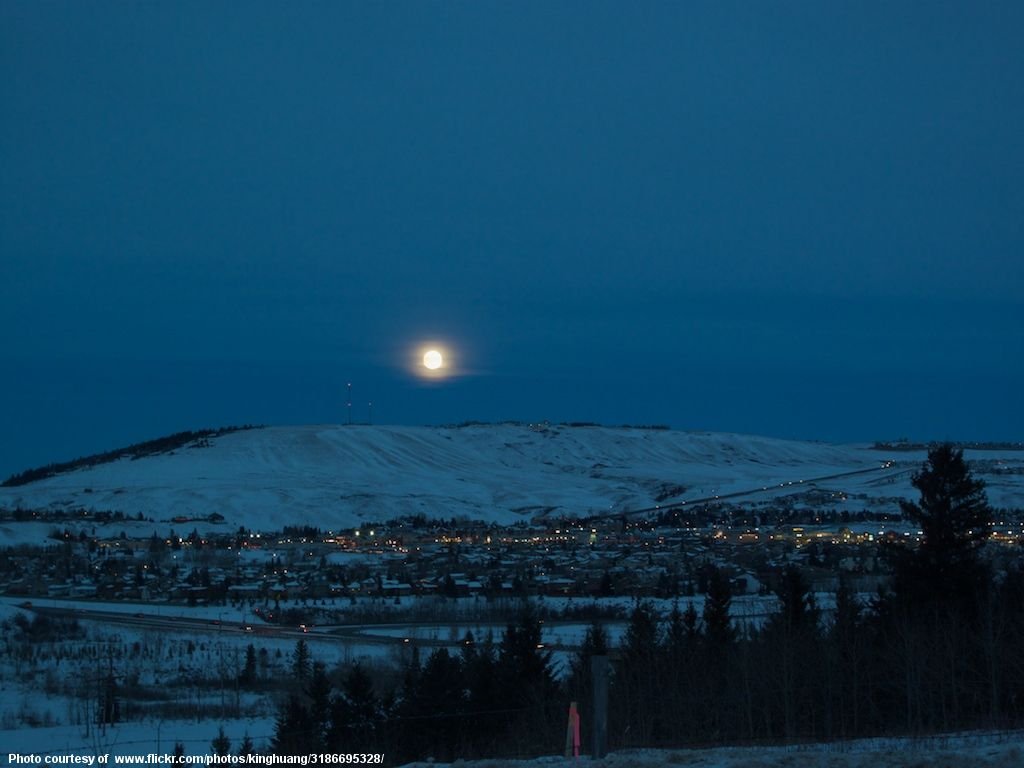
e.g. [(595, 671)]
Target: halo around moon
[(432, 360)]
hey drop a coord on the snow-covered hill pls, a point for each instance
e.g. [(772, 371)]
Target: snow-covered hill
[(338, 476)]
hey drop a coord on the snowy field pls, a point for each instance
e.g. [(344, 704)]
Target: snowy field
[(46, 690), (975, 750), (337, 477), (135, 738), (46, 696)]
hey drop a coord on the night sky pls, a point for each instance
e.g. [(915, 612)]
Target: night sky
[(794, 219)]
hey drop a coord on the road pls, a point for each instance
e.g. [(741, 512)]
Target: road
[(363, 634), (690, 503), (179, 624), (348, 634)]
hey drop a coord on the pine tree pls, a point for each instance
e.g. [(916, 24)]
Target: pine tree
[(717, 626), (300, 660), (441, 695), (954, 517), (526, 681), (847, 637), (676, 635), (221, 745), (791, 636), (579, 683), (523, 664), (484, 694), (319, 694), (246, 747), (796, 602), (847, 615), (293, 728), (595, 643), (641, 636), (638, 679), (248, 674), (355, 714)]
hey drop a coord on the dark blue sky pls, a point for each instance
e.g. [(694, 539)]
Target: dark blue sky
[(797, 219)]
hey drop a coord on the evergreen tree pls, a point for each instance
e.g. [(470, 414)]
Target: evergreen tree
[(935, 631), (441, 695), (355, 714), (717, 626), (715, 654), (595, 643), (246, 747), (679, 673), (523, 664), (954, 517), (485, 697), (293, 729), (676, 634), (300, 661), (790, 637), (248, 674), (319, 695), (526, 683), (847, 616), (221, 745), (641, 637), (638, 678), (579, 683), (846, 661), (796, 602)]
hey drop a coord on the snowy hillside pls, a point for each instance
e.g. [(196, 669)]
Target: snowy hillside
[(338, 476)]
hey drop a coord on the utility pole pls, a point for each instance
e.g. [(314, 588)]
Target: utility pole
[(349, 403)]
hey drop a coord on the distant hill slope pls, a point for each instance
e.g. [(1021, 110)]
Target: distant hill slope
[(337, 476), (191, 438)]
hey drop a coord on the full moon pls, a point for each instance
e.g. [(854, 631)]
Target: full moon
[(433, 360)]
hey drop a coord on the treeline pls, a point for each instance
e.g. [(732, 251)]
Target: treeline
[(889, 667), (903, 444), (939, 650), (487, 699), (136, 451), (545, 423), (886, 668)]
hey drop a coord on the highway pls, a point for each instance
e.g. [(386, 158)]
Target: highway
[(348, 634), (690, 503), (175, 624)]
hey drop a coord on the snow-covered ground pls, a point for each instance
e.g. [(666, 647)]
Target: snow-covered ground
[(339, 476), (135, 738), (46, 696), (972, 750)]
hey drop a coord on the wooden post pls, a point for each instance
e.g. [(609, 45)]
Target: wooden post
[(599, 679)]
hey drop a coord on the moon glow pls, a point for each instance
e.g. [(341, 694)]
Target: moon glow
[(433, 360)]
